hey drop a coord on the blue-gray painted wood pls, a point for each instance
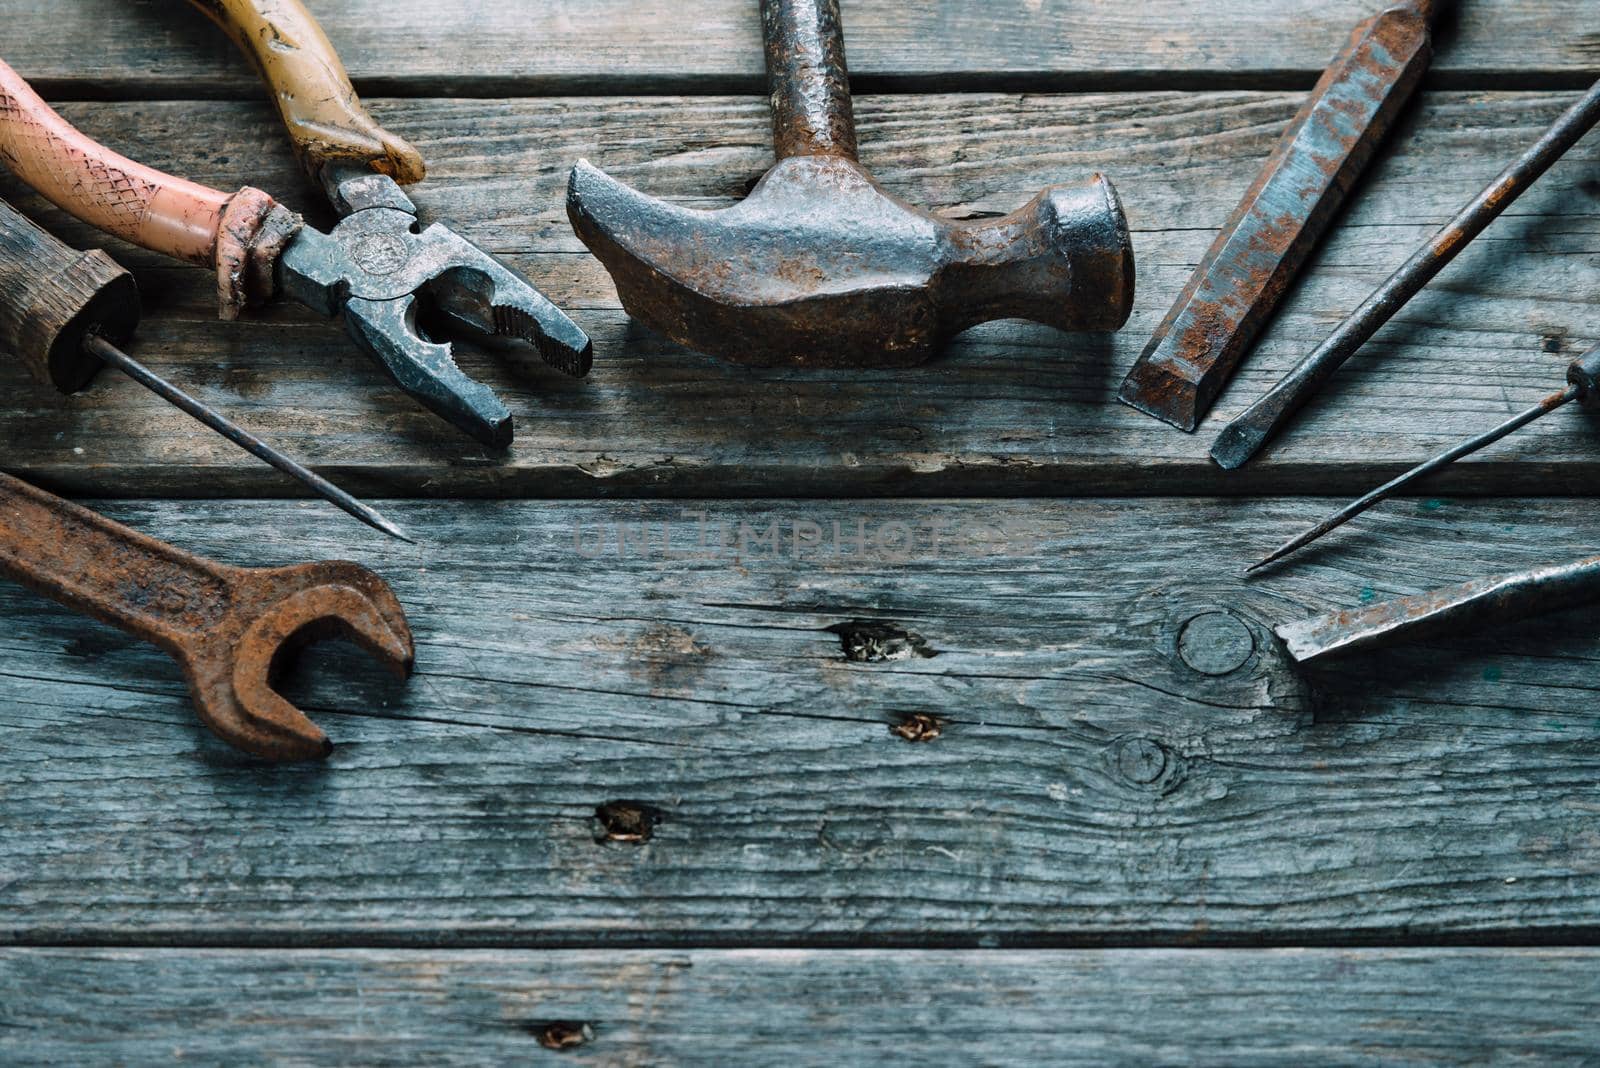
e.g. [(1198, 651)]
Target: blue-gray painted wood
[(1086, 738), (630, 46)]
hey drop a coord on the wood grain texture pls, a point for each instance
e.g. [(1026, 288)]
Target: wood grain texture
[(54, 298), (1125, 1007), (661, 792), (1123, 754), (1013, 408), (418, 47)]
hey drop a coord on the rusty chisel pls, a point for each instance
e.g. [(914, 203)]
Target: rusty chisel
[(1250, 431), (1503, 599), (1239, 283)]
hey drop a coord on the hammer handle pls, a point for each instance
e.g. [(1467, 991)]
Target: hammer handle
[(807, 79), (325, 118), (52, 297)]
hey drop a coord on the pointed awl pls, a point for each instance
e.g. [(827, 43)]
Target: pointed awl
[(1583, 378)]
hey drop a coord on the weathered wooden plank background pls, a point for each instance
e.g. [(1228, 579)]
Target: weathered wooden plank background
[(524, 46), (914, 804), (1124, 754), (1399, 1007)]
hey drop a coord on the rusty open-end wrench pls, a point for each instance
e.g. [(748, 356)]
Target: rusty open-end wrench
[(229, 628), (371, 270)]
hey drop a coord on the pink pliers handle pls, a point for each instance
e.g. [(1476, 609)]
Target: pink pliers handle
[(239, 234)]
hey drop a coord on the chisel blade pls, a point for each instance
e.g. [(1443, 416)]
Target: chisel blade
[(1241, 280), (1491, 601)]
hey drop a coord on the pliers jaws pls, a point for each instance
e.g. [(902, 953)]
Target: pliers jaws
[(375, 267)]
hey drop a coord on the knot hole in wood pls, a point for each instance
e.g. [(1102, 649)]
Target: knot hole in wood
[(1216, 643)]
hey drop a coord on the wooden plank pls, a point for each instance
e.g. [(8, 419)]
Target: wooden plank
[(1014, 408), (1122, 754), (1124, 1007), (418, 47)]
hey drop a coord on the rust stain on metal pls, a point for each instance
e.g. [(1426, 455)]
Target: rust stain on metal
[(1264, 244), (230, 629), (1246, 435), (820, 266)]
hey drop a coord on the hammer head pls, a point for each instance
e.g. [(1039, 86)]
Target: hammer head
[(271, 614), (820, 266)]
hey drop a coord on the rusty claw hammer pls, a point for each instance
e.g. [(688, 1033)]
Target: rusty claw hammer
[(821, 266), (229, 628)]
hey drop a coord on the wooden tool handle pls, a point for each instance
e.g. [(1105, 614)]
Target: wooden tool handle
[(53, 296), (326, 119)]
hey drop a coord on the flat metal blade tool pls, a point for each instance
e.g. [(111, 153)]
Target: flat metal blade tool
[(1504, 599), (1242, 279), (1583, 378), (63, 313), (372, 271), (1246, 435)]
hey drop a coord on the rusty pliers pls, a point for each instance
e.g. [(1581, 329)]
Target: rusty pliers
[(371, 270)]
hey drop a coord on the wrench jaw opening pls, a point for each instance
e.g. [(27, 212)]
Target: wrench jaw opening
[(272, 729), (235, 694), (376, 266)]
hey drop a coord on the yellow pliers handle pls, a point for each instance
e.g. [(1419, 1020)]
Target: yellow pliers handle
[(326, 120)]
